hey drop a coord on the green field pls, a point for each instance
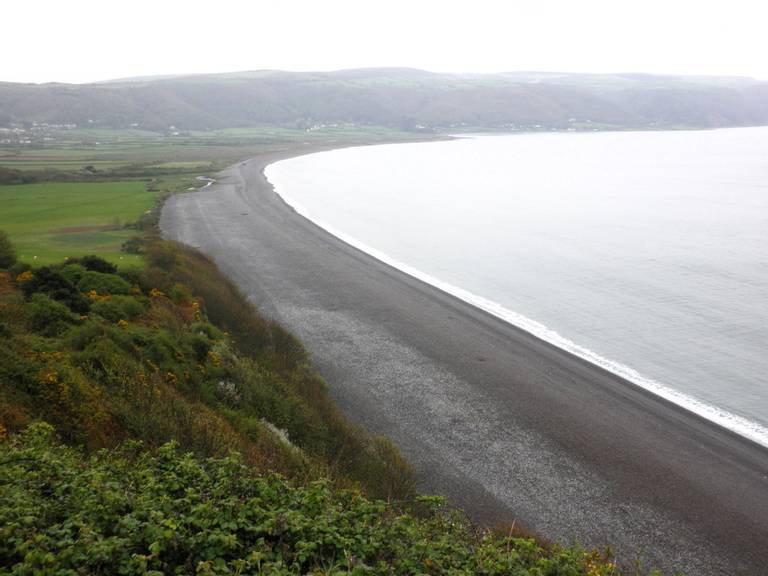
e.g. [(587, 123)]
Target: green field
[(105, 150), (91, 182), (52, 221)]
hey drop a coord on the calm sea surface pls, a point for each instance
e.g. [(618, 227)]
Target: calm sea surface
[(646, 252)]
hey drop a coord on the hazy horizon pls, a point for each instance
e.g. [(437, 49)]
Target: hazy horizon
[(84, 41), (141, 77)]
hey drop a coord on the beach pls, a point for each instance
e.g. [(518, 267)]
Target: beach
[(505, 425)]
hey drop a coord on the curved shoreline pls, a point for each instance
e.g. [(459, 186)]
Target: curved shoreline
[(502, 423), (736, 424)]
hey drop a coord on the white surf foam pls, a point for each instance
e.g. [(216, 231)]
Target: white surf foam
[(732, 422)]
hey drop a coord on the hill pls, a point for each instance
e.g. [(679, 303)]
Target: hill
[(393, 97)]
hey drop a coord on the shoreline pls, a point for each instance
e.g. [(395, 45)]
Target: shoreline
[(734, 423), (504, 424)]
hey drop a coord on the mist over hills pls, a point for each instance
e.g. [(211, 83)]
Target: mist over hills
[(396, 97)]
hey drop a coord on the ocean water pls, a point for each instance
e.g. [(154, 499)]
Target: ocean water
[(644, 252)]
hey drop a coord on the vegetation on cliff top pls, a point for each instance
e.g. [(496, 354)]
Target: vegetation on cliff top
[(174, 352)]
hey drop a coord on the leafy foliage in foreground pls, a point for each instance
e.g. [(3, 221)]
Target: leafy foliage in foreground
[(130, 511)]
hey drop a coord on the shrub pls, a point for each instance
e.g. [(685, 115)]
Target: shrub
[(48, 317), (206, 329), (132, 275), (117, 308), (103, 358), (133, 512), (48, 281), (17, 369), (73, 272), (96, 264), (7, 251), (103, 283), (133, 245)]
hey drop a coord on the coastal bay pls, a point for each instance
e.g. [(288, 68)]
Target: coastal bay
[(505, 425)]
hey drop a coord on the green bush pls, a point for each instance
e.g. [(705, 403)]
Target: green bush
[(97, 264), (132, 512), (104, 358), (72, 272), (133, 245), (117, 308), (103, 283), (48, 317), (131, 274), (7, 251), (48, 281), (206, 329), (18, 369)]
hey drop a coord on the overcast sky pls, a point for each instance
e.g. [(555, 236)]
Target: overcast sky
[(90, 40)]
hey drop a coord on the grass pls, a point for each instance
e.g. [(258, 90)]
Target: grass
[(51, 221)]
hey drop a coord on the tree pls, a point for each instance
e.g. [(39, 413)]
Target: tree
[(7, 251)]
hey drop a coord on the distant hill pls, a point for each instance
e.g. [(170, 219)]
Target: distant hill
[(402, 98)]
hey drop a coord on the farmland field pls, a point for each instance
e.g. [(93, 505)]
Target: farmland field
[(88, 183), (52, 221)]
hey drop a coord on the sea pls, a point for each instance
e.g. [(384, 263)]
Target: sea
[(645, 252)]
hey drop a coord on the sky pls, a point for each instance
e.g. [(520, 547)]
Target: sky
[(91, 40)]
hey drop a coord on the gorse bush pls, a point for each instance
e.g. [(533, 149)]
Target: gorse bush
[(96, 264), (129, 511), (48, 317), (49, 281), (118, 308), (102, 283), (73, 272)]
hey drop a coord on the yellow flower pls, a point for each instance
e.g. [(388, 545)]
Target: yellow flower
[(122, 323), (215, 358), (24, 276), (50, 377), (155, 293)]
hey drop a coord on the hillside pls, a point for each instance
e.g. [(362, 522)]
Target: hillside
[(399, 98)]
